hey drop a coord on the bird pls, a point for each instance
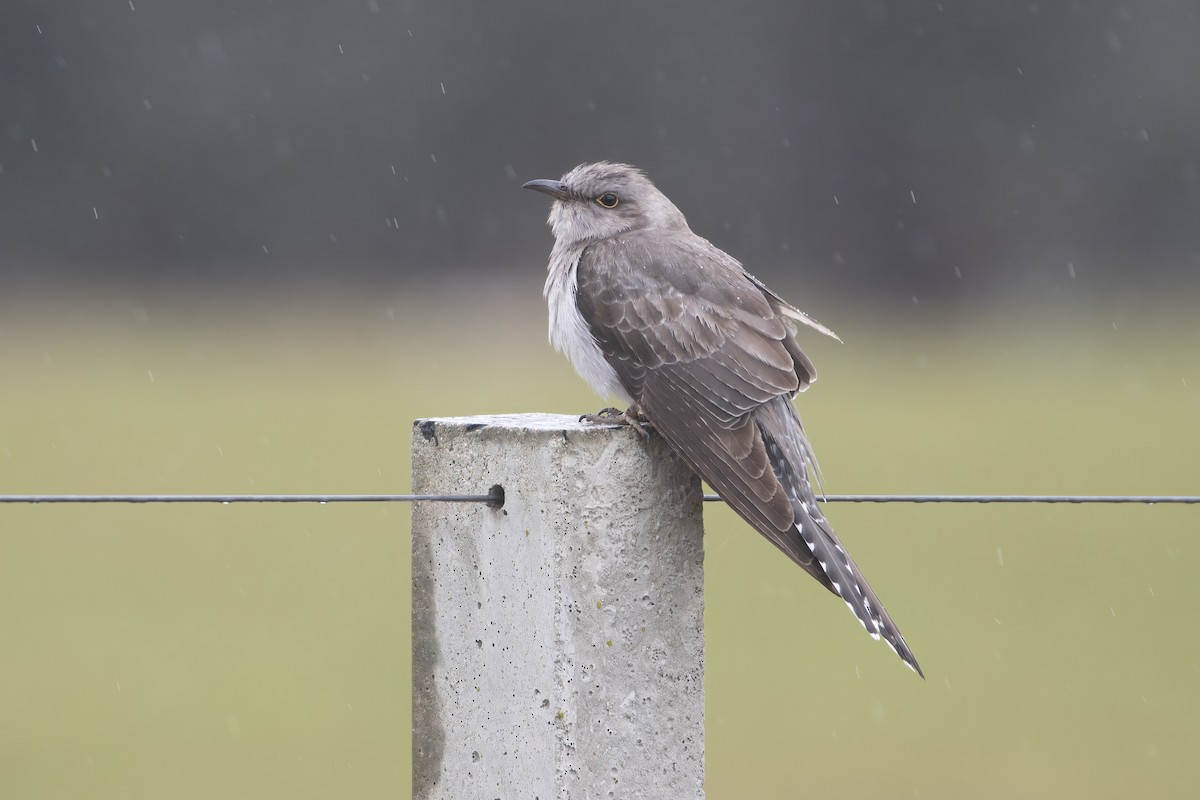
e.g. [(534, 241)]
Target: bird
[(659, 318)]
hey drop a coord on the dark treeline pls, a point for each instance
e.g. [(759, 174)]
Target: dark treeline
[(899, 148)]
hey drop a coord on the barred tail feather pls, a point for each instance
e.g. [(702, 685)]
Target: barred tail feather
[(788, 452)]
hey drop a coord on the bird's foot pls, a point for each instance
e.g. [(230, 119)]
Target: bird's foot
[(631, 416)]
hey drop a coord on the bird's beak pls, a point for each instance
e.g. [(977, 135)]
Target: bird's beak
[(555, 189)]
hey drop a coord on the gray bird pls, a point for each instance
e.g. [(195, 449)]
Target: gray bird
[(660, 318)]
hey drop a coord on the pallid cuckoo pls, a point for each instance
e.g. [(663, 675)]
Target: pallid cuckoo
[(660, 318)]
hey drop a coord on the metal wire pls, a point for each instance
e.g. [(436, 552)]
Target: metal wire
[(496, 497), (225, 499), (1002, 498)]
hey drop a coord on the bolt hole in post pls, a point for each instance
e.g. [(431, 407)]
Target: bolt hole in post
[(495, 499)]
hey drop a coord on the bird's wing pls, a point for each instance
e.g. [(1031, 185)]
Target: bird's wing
[(786, 309), (711, 361), (698, 348)]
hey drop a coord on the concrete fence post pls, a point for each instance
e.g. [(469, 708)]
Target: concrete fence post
[(558, 642)]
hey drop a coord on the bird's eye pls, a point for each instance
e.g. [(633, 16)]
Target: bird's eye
[(608, 200)]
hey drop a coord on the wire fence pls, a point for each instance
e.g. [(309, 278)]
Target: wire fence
[(495, 498)]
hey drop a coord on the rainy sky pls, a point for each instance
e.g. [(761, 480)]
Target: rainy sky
[(894, 147)]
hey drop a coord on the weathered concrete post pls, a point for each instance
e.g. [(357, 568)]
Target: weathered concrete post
[(558, 642)]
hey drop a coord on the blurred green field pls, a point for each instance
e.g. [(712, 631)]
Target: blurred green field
[(263, 651)]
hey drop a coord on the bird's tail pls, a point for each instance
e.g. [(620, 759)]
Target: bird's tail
[(789, 453)]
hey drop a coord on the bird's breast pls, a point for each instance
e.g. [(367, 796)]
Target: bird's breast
[(569, 331)]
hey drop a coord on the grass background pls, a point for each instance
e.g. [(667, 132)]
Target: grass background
[(263, 651)]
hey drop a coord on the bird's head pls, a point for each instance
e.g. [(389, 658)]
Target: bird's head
[(597, 201)]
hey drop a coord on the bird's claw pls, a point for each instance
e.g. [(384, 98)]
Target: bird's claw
[(610, 416), (614, 416)]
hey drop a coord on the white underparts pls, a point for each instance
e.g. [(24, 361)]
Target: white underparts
[(569, 332)]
